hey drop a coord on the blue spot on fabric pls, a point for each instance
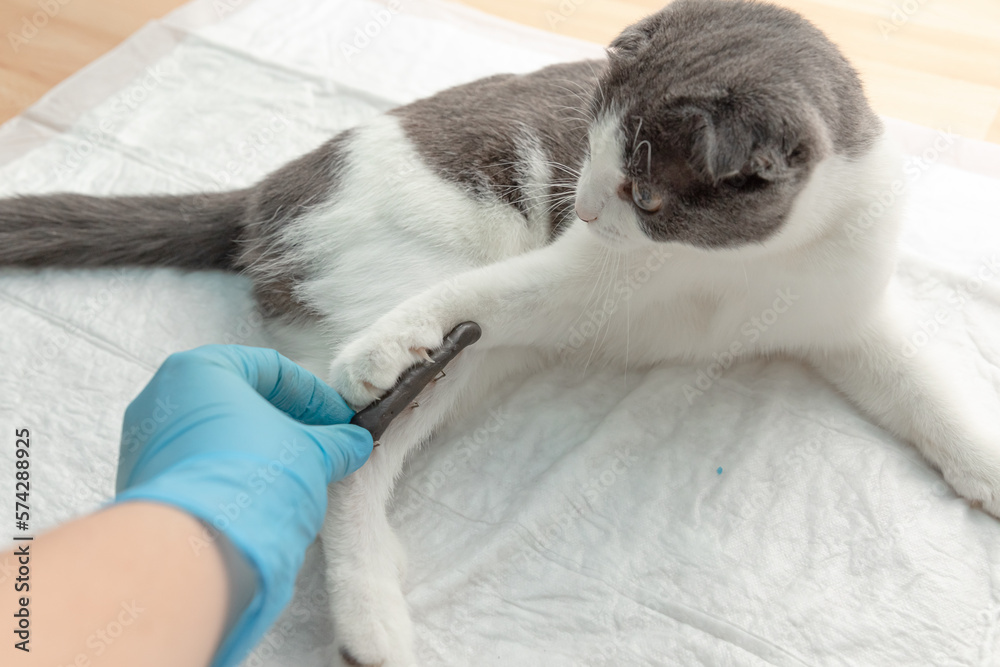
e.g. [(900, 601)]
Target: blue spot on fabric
[(719, 471)]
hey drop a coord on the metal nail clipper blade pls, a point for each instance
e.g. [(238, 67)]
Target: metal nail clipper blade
[(376, 417)]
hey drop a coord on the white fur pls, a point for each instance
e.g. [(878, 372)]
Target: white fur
[(409, 262)]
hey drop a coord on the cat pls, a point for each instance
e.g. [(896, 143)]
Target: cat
[(724, 149)]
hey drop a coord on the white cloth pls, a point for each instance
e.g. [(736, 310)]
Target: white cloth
[(577, 518)]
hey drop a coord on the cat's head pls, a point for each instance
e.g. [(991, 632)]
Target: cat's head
[(709, 120)]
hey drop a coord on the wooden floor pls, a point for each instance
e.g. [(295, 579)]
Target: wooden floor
[(932, 62)]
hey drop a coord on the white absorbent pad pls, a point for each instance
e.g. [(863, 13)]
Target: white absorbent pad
[(577, 518)]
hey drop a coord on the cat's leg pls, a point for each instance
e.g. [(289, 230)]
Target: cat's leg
[(916, 395), (521, 303), (530, 300), (365, 564), (364, 560)]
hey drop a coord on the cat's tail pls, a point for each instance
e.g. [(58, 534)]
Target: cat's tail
[(198, 231)]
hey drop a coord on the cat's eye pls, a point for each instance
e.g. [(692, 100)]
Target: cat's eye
[(738, 181), (645, 199), (746, 183)]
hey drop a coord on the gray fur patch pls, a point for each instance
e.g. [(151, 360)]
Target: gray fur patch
[(277, 202), (196, 231), (474, 135)]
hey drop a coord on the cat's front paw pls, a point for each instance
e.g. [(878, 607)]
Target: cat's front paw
[(372, 626), (971, 465), (978, 482), (370, 365)]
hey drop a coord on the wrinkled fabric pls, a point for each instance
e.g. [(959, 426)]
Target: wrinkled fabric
[(690, 515)]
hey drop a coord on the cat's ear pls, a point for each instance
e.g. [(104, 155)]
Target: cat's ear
[(724, 145), (631, 42)]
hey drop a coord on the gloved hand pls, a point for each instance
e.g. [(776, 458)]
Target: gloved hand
[(247, 441)]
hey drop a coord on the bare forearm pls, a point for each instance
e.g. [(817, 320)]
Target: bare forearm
[(123, 587)]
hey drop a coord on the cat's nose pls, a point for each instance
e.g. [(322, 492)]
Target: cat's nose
[(586, 213)]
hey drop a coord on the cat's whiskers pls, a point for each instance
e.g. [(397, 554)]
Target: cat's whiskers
[(566, 168), (604, 256), (514, 164), (558, 204), (547, 199), (621, 293), (637, 130), (600, 276), (628, 322), (569, 186), (588, 120), (649, 155), (544, 199), (600, 89), (552, 198), (618, 295), (603, 299), (585, 95), (560, 194)]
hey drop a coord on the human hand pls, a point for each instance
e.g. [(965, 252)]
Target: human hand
[(247, 441)]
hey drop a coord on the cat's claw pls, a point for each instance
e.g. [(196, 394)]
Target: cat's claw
[(370, 365)]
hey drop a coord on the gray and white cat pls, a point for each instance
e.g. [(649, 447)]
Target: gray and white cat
[(724, 149)]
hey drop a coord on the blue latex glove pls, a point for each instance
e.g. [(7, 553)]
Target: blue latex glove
[(247, 441)]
